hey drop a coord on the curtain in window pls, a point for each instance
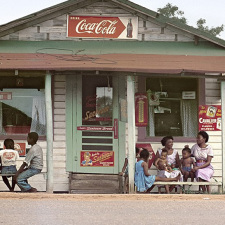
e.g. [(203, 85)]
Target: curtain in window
[(38, 123), (189, 118)]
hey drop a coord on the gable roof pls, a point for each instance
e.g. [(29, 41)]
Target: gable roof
[(70, 5)]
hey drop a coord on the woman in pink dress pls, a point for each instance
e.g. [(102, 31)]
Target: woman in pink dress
[(203, 154)]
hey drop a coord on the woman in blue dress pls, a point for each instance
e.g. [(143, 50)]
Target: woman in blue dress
[(143, 180)]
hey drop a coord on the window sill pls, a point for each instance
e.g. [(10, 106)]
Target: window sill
[(20, 137), (142, 137)]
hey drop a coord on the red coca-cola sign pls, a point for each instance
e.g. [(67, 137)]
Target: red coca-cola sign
[(101, 27)]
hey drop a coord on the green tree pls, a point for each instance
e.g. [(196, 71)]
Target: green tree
[(173, 12)]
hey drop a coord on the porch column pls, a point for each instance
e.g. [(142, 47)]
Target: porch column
[(223, 131), (131, 131), (49, 132)]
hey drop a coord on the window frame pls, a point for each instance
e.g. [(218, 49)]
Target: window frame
[(142, 133), (23, 137)]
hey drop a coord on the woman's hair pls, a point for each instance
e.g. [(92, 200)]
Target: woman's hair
[(165, 139), (204, 135), (186, 150), (144, 154)]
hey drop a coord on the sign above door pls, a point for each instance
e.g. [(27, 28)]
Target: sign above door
[(102, 27)]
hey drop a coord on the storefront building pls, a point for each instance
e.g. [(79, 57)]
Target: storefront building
[(75, 72)]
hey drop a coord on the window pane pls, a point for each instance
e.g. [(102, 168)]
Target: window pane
[(23, 113), (97, 95), (169, 112)]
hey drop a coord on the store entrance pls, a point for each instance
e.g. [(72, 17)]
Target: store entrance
[(96, 137)]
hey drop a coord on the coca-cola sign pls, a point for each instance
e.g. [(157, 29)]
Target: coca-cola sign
[(102, 27)]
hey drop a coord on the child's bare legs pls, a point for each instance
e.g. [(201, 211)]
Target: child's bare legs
[(167, 189), (6, 181), (186, 175), (192, 175), (159, 190), (203, 187), (150, 188)]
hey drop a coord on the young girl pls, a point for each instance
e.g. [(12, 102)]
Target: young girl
[(187, 163), (143, 180)]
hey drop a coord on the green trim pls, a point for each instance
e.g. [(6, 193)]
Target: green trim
[(110, 47)]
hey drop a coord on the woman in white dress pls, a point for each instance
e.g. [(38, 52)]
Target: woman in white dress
[(203, 154), (172, 157)]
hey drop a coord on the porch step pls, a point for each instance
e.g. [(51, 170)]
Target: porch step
[(93, 184)]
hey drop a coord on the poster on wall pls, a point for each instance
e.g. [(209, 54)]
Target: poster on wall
[(141, 110), (149, 148), (97, 159), (102, 27), (209, 117)]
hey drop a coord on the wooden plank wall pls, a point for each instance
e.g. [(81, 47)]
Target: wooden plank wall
[(56, 29)]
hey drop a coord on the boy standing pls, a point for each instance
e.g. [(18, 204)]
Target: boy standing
[(34, 161)]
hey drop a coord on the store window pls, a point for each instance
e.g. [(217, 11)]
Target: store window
[(173, 104), (22, 110), (97, 100)]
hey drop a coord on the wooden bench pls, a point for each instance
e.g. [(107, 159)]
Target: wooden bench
[(219, 184)]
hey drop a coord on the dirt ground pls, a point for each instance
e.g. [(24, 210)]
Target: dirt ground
[(113, 197)]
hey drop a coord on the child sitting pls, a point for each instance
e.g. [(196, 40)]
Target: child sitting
[(187, 163), (8, 158), (143, 180), (164, 169), (124, 171)]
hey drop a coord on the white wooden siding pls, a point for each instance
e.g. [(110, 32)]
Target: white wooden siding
[(56, 29)]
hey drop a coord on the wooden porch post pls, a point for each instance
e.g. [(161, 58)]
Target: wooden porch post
[(223, 131), (131, 131), (49, 132)]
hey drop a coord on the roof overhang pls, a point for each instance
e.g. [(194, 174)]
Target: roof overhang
[(137, 63)]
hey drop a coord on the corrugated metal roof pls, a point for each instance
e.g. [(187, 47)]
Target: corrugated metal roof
[(142, 63)]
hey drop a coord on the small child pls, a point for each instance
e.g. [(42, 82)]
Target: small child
[(187, 163), (8, 158), (143, 180), (161, 163), (164, 169), (124, 171)]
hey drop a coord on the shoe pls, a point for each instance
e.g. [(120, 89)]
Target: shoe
[(32, 190)]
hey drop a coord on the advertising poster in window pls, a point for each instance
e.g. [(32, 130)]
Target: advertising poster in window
[(149, 148), (210, 117), (97, 159), (141, 110)]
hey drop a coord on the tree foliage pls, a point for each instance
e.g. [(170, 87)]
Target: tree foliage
[(173, 12)]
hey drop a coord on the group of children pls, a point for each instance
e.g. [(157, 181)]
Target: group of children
[(166, 172), (32, 164)]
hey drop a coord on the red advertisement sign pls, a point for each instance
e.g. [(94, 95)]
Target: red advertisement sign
[(141, 109), (116, 129), (97, 158), (149, 148), (102, 27), (95, 128), (210, 117)]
